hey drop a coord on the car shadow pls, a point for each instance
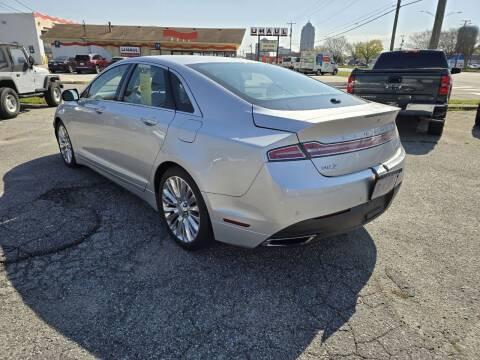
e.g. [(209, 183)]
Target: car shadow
[(94, 262), (476, 131), (414, 137), (24, 108)]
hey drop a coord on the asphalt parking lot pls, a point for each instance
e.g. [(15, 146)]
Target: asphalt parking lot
[(86, 270)]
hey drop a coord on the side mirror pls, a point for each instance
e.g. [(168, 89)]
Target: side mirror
[(70, 95), (455, 70), (31, 60)]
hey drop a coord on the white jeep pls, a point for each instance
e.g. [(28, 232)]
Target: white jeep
[(19, 78)]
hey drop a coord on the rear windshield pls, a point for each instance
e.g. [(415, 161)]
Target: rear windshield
[(272, 86), (82, 57), (411, 60)]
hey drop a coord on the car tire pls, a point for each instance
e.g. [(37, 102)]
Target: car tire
[(79, 71), (9, 103), (97, 69), (183, 210), (53, 96), (70, 69), (52, 71), (65, 145), (334, 72), (435, 127), (318, 72)]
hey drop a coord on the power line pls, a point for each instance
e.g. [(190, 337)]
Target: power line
[(368, 22), (11, 8), (356, 21), (315, 8), (25, 6), (346, 7)]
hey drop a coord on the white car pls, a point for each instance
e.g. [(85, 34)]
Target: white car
[(239, 151)]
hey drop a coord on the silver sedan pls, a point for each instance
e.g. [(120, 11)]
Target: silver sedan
[(238, 151)]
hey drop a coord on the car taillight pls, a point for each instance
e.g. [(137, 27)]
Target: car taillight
[(316, 149), (313, 149), (291, 152), (351, 84), (445, 83)]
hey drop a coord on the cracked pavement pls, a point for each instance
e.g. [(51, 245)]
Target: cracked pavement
[(87, 270)]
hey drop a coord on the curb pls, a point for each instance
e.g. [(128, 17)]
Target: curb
[(460, 107)]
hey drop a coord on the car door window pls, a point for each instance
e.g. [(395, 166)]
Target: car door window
[(3, 60), (105, 87), (148, 86), (18, 58), (182, 101)]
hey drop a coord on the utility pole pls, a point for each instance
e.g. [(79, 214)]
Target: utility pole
[(437, 25), (291, 24), (394, 30)]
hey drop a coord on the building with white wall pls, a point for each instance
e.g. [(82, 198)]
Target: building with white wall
[(27, 29)]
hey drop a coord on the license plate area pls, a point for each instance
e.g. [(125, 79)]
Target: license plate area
[(385, 183), (421, 107)]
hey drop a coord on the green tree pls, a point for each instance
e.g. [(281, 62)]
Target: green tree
[(369, 49), (466, 40)]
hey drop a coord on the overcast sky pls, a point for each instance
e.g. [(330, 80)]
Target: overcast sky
[(329, 17)]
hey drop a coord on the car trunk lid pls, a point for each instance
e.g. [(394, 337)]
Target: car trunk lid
[(339, 140)]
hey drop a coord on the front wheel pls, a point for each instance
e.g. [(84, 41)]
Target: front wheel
[(65, 145), (9, 103), (53, 96), (97, 69), (183, 210), (334, 72)]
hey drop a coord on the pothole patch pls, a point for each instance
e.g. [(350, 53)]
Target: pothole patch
[(48, 224)]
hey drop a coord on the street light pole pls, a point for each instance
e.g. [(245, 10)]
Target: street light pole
[(394, 30), (437, 25), (291, 24)]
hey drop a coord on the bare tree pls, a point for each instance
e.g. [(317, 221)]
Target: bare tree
[(419, 40), (466, 41), (336, 46), (448, 41), (351, 50)]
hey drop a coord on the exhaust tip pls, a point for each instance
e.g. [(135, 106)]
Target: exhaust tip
[(293, 241)]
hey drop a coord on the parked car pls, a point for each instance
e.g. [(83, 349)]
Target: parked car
[(62, 64), (90, 63), (19, 78), (117, 58), (417, 81), (244, 152)]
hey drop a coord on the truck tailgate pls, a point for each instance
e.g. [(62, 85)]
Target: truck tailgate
[(395, 87)]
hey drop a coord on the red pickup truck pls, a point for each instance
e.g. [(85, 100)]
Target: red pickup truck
[(90, 63)]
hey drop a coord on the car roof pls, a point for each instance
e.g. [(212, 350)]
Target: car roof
[(187, 59)]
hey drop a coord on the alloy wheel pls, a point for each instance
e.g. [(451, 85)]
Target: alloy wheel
[(65, 144), (180, 207)]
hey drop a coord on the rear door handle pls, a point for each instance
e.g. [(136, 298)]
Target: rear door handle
[(149, 122)]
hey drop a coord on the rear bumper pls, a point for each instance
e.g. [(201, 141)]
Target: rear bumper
[(337, 223), (293, 199), (439, 112)]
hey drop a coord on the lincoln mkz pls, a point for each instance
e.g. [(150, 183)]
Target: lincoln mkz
[(238, 151)]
